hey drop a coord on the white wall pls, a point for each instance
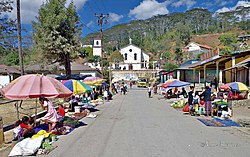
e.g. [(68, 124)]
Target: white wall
[(4, 80), (97, 52), (193, 47), (97, 47), (130, 58)]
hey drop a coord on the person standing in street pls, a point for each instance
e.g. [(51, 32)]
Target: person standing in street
[(190, 100), (207, 99), (149, 91), (214, 84), (130, 84)]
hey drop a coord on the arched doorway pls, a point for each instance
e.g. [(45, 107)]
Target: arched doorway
[(130, 67)]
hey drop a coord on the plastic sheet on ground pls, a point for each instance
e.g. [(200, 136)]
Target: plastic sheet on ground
[(26, 147)]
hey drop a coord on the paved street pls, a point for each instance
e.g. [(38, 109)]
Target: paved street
[(134, 125)]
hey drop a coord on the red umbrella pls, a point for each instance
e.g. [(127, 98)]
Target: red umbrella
[(34, 86)]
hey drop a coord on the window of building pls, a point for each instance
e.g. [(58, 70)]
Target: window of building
[(97, 42), (135, 56), (125, 56), (130, 50)]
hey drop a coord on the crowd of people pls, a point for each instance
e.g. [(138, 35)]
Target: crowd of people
[(204, 102), (176, 93)]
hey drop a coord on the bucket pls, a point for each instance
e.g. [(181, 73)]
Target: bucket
[(77, 109)]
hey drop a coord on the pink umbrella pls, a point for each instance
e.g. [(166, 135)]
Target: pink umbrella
[(34, 86)]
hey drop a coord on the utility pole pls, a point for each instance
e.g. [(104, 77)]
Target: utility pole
[(101, 18), (19, 37)]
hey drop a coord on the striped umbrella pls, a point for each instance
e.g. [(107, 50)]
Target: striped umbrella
[(235, 86), (77, 87), (93, 80), (174, 83)]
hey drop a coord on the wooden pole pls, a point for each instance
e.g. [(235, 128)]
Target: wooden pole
[(19, 37)]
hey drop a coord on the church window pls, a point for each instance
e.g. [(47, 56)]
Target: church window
[(125, 56), (97, 42), (130, 50), (135, 56)]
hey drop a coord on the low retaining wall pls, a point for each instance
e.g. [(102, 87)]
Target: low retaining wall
[(244, 102)]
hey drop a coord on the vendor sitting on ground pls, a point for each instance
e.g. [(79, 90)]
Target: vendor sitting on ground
[(84, 98), (61, 111), (183, 92), (72, 103), (51, 116), (23, 128)]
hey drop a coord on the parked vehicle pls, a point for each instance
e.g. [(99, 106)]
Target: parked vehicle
[(142, 82)]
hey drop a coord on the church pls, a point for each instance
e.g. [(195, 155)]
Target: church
[(134, 57)]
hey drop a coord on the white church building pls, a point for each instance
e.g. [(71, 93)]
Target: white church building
[(134, 58)]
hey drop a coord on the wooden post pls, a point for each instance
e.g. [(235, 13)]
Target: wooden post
[(194, 76), (17, 111), (205, 84), (110, 77), (1, 132)]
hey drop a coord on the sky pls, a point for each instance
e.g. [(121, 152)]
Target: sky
[(123, 11)]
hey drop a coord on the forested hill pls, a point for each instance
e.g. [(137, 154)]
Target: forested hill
[(195, 21)]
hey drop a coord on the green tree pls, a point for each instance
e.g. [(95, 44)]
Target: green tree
[(57, 32), (183, 32), (170, 66), (11, 59), (245, 25), (94, 59), (7, 28), (228, 39), (86, 51), (116, 56), (225, 50)]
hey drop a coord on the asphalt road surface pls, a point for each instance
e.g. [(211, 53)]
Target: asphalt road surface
[(134, 125)]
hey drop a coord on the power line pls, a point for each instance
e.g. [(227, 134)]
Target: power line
[(101, 19)]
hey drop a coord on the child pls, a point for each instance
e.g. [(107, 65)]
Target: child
[(201, 107), (196, 102), (61, 110), (23, 128), (51, 116)]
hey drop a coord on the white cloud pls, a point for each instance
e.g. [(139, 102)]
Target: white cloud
[(149, 8), (188, 3), (216, 3), (222, 10), (113, 17), (78, 3), (90, 23), (240, 3), (29, 10)]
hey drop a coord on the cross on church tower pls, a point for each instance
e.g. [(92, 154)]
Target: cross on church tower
[(130, 40)]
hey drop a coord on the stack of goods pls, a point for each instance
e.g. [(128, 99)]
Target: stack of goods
[(179, 104)]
